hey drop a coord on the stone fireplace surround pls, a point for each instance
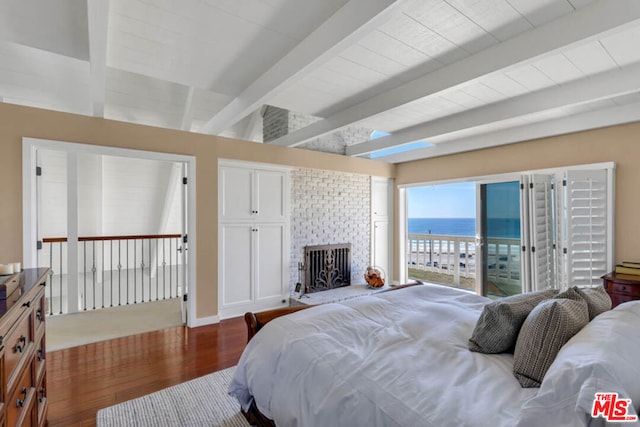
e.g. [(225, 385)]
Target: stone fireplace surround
[(330, 207)]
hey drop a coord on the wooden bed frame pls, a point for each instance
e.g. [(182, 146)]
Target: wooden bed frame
[(255, 322)]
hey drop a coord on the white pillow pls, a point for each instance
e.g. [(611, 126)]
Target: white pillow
[(602, 357)]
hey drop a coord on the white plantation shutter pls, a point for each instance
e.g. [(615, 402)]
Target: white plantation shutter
[(541, 232), (525, 259), (585, 227)]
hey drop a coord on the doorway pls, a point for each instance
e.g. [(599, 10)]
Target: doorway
[(112, 224)]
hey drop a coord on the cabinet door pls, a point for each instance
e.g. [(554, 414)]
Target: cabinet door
[(381, 242), (270, 189), (237, 193), (381, 197), (270, 263), (235, 264)]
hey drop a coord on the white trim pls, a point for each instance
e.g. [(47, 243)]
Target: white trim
[(514, 176), (252, 165), (29, 212), (402, 234), (204, 321)]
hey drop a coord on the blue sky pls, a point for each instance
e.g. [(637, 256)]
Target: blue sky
[(459, 200), (442, 201)]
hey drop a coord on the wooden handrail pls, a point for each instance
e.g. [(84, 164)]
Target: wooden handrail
[(101, 238)]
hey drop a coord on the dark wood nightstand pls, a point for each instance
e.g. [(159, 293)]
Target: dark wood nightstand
[(621, 287)]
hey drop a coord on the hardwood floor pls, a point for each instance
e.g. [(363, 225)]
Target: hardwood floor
[(82, 380)]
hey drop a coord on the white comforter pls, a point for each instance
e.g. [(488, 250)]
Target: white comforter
[(392, 359)]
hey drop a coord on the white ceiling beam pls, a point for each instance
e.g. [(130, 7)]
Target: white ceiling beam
[(560, 126), (585, 24), (187, 116), (348, 25), (98, 18), (605, 85)]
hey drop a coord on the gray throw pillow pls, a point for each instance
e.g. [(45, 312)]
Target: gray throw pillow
[(497, 328), (598, 300), (547, 328)]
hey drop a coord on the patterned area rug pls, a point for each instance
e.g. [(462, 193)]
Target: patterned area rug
[(199, 402)]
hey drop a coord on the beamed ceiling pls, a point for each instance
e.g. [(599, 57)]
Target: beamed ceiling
[(456, 74)]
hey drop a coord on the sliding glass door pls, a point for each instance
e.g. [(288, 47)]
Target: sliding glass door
[(500, 237)]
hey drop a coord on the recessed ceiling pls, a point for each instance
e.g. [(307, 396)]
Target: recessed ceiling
[(458, 74)]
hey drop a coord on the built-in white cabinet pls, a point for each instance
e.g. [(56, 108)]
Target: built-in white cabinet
[(253, 248), (381, 225), (252, 194)]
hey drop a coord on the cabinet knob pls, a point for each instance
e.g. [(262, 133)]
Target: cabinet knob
[(20, 402), (42, 395), (22, 340)]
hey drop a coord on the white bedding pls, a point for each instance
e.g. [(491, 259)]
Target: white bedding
[(399, 358)]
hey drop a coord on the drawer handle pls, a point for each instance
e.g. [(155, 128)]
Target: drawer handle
[(42, 395), (39, 314), (19, 347), (623, 288), (27, 304), (40, 355), (1, 339), (20, 402)]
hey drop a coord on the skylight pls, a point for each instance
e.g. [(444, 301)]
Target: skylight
[(398, 148)]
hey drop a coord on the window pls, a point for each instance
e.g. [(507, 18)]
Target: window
[(536, 230)]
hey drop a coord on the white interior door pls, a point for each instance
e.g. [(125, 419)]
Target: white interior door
[(185, 245)]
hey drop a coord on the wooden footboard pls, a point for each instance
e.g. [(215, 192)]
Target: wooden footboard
[(255, 321)]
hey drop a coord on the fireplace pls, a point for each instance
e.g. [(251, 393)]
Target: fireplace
[(327, 267)]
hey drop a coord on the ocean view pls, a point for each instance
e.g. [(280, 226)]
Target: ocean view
[(497, 227)]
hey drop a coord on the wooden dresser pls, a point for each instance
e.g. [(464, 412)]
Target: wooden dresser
[(22, 349), (621, 287)]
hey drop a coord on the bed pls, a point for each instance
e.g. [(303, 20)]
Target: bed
[(402, 358)]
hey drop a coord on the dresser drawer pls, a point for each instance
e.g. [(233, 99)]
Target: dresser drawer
[(20, 404), (39, 359), (624, 288), (39, 315), (41, 401), (16, 348)]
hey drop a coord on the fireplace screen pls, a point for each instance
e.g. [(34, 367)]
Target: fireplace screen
[(327, 266)]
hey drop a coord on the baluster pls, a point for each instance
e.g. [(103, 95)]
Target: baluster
[(119, 272), (142, 272), (135, 263), (127, 241), (84, 275), (102, 273), (157, 269), (164, 274), (51, 278), (94, 272), (60, 279), (170, 262), (111, 271)]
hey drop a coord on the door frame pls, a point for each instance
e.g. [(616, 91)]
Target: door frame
[(29, 199)]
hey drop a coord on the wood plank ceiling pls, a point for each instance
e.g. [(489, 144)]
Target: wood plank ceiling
[(456, 74)]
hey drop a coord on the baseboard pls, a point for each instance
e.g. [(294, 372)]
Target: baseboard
[(202, 321)]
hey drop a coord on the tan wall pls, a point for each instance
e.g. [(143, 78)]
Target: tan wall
[(17, 122), (620, 144)]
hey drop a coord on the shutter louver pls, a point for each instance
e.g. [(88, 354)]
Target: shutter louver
[(586, 227), (541, 229)]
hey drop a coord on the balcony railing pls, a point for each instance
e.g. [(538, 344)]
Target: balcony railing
[(457, 256), (113, 271)]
